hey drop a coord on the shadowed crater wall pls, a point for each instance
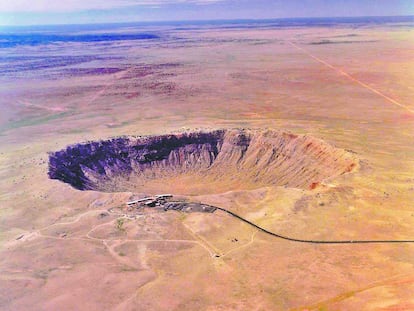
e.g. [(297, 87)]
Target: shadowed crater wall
[(200, 162)]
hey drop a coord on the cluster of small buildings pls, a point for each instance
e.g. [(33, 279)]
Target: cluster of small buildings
[(164, 202), (157, 200)]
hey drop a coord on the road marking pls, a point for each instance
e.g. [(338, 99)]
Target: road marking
[(347, 75)]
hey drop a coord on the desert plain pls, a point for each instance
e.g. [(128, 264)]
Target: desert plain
[(348, 85)]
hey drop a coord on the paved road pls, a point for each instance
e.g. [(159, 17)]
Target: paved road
[(311, 241)]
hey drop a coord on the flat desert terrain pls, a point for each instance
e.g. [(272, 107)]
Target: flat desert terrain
[(349, 86)]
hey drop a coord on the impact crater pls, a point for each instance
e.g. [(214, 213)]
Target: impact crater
[(200, 162)]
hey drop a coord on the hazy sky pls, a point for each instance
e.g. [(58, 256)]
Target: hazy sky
[(26, 12)]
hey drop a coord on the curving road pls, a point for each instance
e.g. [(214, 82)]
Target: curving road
[(310, 241)]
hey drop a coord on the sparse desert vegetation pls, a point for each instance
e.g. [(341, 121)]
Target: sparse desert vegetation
[(305, 131)]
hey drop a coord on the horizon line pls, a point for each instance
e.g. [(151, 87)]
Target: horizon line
[(207, 20)]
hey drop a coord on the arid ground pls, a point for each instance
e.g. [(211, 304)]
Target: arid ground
[(348, 85)]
